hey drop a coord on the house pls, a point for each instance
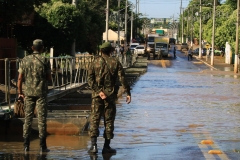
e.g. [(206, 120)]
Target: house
[(113, 37)]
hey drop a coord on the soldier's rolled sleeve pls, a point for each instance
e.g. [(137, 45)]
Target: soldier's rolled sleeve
[(20, 70)]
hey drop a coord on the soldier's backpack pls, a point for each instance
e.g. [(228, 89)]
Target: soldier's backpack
[(109, 79)]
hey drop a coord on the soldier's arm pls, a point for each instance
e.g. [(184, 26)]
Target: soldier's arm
[(20, 80), (122, 79), (19, 84), (92, 80)]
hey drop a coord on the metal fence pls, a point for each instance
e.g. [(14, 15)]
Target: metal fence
[(126, 60), (67, 73)]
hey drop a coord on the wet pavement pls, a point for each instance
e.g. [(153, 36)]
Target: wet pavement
[(175, 105)]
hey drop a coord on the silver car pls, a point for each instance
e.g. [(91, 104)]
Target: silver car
[(139, 50)]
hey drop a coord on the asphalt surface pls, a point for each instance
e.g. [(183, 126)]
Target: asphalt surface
[(180, 110)]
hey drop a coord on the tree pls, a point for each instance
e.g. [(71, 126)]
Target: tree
[(232, 3), (227, 31), (222, 12), (12, 11), (61, 20)]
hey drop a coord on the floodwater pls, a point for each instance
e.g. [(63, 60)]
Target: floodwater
[(175, 105)]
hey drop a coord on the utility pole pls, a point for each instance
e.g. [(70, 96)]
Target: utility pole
[(200, 30), (181, 14), (187, 26), (237, 45), (125, 34), (118, 19), (173, 26), (136, 19), (192, 28), (131, 27), (182, 25), (213, 32), (74, 41), (107, 11), (138, 6)]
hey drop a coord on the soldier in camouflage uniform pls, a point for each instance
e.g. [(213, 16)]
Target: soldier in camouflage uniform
[(36, 71), (102, 77)]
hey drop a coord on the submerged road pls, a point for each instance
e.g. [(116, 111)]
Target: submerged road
[(180, 110)]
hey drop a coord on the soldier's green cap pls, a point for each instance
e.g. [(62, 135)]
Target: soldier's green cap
[(106, 45), (38, 42)]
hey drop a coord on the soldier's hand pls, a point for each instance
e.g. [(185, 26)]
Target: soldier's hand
[(102, 95), (128, 99), (21, 96)]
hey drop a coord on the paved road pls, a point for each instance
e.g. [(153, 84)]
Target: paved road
[(175, 106)]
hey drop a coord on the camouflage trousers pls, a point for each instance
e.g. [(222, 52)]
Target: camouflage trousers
[(41, 105), (107, 109)]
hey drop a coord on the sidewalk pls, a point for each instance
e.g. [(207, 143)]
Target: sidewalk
[(218, 63)]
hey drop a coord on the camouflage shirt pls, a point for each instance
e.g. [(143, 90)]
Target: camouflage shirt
[(103, 74), (35, 68)]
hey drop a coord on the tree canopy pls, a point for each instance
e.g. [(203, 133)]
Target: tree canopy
[(225, 22), (59, 23)]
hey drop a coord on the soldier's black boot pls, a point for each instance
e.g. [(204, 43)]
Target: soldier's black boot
[(93, 149), (26, 144), (43, 145), (107, 148)]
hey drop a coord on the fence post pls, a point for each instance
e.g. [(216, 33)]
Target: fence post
[(7, 82), (17, 67)]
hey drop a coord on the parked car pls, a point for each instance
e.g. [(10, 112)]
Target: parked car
[(133, 46), (184, 46), (140, 50), (196, 51)]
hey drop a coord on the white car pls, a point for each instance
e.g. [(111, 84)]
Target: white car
[(139, 50), (133, 46)]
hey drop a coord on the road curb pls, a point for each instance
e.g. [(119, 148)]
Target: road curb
[(205, 63)]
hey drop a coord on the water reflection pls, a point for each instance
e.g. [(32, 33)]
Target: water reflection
[(22, 156), (172, 111), (103, 156)]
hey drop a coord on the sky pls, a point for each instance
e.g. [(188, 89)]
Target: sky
[(161, 8)]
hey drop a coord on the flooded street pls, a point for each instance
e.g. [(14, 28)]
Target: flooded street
[(175, 106)]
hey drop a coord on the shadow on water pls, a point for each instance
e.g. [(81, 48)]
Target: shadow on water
[(61, 147), (172, 111), (23, 156)]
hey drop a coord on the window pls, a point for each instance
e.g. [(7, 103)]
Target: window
[(161, 45)]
